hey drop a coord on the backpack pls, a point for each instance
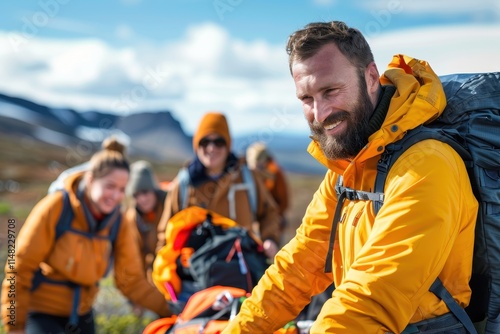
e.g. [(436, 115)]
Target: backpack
[(229, 257), (207, 311), (204, 249), (247, 185), (58, 183), (470, 124), (64, 225)]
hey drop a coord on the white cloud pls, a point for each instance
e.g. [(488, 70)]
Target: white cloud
[(208, 69), (203, 47), (450, 49)]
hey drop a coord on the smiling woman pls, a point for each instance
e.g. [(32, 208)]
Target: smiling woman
[(68, 243)]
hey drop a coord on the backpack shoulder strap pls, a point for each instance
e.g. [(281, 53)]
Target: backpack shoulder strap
[(251, 189), (66, 217), (344, 193), (247, 185), (440, 291), (395, 150), (113, 233), (184, 181)]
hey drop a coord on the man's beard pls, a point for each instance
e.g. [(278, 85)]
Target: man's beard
[(349, 143)]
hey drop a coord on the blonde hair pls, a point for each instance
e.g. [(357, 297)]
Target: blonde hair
[(112, 156), (256, 153)]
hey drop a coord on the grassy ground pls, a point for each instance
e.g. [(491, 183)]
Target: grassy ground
[(26, 170)]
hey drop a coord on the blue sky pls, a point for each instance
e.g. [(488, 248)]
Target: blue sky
[(190, 56)]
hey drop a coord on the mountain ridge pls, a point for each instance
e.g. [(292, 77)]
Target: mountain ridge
[(155, 135)]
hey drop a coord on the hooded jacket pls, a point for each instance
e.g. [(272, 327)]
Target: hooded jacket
[(383, 265), (73, 257), (213, 194), (275, 182)]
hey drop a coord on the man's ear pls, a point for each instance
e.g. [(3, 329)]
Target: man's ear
[(372, 78)]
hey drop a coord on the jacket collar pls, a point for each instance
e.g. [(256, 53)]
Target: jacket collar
[(197, 172)]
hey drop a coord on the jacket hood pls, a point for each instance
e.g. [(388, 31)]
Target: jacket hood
[(419, 99)]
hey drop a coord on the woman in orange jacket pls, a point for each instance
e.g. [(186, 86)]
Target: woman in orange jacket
[(60, 260)]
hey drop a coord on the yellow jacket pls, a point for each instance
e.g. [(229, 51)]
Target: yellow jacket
[(383, 266), (73, 257)]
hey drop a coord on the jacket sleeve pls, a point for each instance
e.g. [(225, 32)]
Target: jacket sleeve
[(171, 207), (32, 246), (129, 274), (267, 212), (131, 216), (296, 275)]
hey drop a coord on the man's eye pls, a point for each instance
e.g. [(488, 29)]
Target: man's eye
[(331, 91)]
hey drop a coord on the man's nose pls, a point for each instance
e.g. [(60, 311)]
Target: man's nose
[(320, 110)]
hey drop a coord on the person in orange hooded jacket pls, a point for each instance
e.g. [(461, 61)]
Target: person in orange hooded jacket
[(56, 281), (260, 159), (146, 201), (215, 180), (382, 265), (147, 207), (215, 174)]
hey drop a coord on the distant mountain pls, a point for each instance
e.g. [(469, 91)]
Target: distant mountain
[(290, 151), (153, 135), (156, 136)]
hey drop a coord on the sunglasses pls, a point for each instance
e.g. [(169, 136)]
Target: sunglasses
[(218, 142)]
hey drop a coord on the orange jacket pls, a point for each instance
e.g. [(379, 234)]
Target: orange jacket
[(383, 265), (275, 182), (73, 257)]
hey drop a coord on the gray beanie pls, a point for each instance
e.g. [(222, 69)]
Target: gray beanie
[(141, 178)]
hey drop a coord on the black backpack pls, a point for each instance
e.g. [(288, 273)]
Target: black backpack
[(220, 256), (470, 124)]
